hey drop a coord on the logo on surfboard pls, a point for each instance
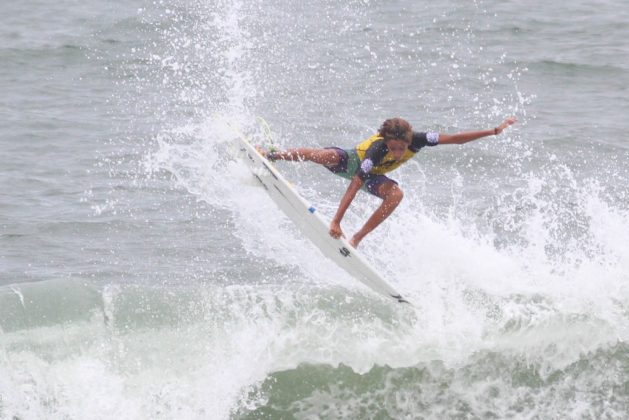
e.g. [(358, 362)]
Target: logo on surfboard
[(344, 252)]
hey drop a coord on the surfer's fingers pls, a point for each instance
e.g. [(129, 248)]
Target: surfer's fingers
[(336, 234)]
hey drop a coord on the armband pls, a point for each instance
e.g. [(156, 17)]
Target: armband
[(432, 138)]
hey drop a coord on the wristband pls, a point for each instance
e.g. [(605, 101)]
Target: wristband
[(495, 131)]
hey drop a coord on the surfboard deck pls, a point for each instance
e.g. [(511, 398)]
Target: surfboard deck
[(311, 223)]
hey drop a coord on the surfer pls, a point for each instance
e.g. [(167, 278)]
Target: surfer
[(367, 163)]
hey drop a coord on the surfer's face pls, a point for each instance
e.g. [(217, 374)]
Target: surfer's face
[(397, 148)]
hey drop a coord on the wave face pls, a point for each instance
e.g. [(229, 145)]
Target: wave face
[(144, 274)]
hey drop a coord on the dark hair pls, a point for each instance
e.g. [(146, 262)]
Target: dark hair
[(396, 129)]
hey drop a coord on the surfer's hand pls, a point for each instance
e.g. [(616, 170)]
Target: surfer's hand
[(506, 123), (335, 230)]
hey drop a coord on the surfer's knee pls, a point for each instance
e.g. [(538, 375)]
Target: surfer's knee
[(391, 193), (397, 193)]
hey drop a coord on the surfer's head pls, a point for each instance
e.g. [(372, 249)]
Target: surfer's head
[(397, 134), (396, 129)]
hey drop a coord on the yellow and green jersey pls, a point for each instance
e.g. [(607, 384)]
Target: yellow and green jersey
[(375, 158)]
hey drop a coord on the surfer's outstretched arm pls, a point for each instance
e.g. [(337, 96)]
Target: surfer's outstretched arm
[(335, 224), (464, 137)]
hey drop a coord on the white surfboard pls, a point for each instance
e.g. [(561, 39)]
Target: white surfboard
[(308, 220)]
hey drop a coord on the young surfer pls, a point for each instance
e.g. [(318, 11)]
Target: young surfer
[(366, 164)]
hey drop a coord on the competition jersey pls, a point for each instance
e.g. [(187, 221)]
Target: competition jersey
[(375, 158)]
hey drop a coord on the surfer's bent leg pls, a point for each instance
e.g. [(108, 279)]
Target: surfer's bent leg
[(391, 195), (327, 157)]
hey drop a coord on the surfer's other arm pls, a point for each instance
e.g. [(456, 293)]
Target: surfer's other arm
[(348, 197)]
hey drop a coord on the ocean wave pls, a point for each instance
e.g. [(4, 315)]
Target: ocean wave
[(487, 385)]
